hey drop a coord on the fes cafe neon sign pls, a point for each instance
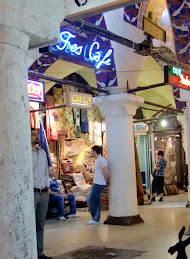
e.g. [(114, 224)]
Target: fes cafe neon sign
[(36, 91), (183, 80), (90, 52)]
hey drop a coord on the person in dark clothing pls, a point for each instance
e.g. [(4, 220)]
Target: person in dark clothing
[(158, 182), (57, 197)]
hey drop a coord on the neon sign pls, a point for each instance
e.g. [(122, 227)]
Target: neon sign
[(36, 91), (80, 50), (178, 78)]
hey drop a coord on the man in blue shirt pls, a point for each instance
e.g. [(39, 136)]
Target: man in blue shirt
[(57, 197), (158, 182)]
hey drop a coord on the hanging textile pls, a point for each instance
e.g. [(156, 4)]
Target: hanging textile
[(51, 123), (90, 115), (94, 125), (76, 117), (32, 118), (97, 133), (44, 143), (34, 121), (68, 116), (104, 145), (61, 125), (84, 121)]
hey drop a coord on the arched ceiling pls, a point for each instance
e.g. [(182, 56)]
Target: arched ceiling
[(61, 68), (153, 74)]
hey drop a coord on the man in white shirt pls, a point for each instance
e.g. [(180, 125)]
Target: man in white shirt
[(41, 187), (101, 179)]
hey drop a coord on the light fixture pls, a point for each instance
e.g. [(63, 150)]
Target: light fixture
[(155, 138), (163, 123), (170, 139)]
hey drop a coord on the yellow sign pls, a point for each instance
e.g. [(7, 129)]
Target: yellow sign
[(79, 100), (154, 29)]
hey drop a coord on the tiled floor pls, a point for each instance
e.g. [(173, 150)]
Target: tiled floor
[(163, 221)]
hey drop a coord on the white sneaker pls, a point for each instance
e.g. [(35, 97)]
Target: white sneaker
[(62, 218), (73, 216), (92, 222)]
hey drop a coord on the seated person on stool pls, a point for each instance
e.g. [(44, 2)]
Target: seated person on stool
[(57, 197)]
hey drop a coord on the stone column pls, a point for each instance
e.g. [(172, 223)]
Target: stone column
[(21, 25), (17, 210), (119, 110)]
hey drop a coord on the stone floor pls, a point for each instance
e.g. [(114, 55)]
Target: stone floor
[(162, 223)]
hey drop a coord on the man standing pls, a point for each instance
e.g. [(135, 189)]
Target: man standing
[(57, 197), (158, 182), (101, 178), (41, 187)]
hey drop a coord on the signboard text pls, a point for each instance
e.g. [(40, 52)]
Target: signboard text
[(36, 91)]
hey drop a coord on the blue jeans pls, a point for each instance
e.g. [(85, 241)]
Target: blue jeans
[(94, 201), (58, 201)]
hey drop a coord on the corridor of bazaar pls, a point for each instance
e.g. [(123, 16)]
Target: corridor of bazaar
[(105, 73), (152, 239)]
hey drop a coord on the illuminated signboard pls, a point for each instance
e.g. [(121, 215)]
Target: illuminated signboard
[(140, 128), (178, 78), (79, 100), (80, 50), (36, 91)]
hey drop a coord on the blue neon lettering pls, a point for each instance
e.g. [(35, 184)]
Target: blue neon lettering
[(85, 53), (91, 53), (96, 55), (104, 61)]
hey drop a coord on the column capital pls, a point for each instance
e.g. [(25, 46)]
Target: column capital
[(118, 104), (39, 19)]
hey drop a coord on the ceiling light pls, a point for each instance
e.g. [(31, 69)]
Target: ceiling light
[(163, 123)]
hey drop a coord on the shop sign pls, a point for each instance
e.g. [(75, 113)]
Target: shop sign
[(178, 78), (141, 127), (77, 9), (80, 50), (35, 91), (79, 100)]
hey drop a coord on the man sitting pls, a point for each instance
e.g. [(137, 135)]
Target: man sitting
[(57, 197)]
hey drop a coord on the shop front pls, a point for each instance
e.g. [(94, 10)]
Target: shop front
[(142, 139), (168, 138)]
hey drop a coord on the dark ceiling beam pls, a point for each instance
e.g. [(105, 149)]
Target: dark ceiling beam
[(89, 27), (67, 82), (154, 119), (144, 108), (145, 88), (163, 107)]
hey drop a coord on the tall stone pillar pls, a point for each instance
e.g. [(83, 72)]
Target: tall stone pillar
[(21, 25), (119, 110), (16, 203)]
